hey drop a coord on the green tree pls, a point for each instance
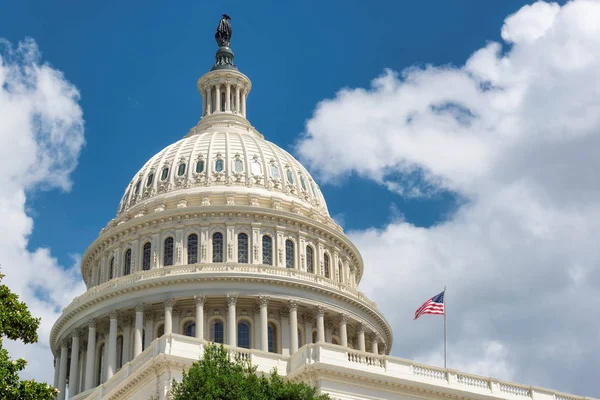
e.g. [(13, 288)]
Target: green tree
[(16, 323), (217, 377)]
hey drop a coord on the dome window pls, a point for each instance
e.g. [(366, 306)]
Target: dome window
[(275, 172), (181, 170), (290, 176), (165, 174), (312, 188), (256, 167), (303, 183), (238, 165), (150, 179), (219, 165), (137, 187), (200, 166)]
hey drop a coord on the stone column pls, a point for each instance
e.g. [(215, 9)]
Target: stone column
[(90, 361), (264, 323), (231, 317), (361, 338), (139, 327), (218, 98), (284, 320), (73, 375), (256, 334), (308, 327), (149, 329), (82, 365), (126, 339), (329, 331), (112, 346), (228, 97), (56, 369), (374, 344), (293, 307), (176, 312), (62, 375), (237, 99), (169, 303), (200, 299), (244, 103), (343, 330), (320, 324), (209, 101)]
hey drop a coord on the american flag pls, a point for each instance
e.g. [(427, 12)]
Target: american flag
[(434, 305)]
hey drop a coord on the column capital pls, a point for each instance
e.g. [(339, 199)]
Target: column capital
[(321, 310), (200, 299), (75, 333), (263, 300), (373, 337), (149, 315), (139, 307), (293, 305), (362, 327), (113, 314), (127, 320), (170, 302), (232, 299), (65, 343), (343, 318), (92, 323)]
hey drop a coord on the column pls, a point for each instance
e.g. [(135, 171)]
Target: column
[(361, 338), (169, 303), (256, 335), (73, 375), (237, 99), (126, 339), (176, 312), (91, 355), (112, 346), (56, 369), (228, 97), (329, 331), (204, 100), (344, 330), (320, 324), (308, 327), (284, 319), (149, 329), (62, 375), (218, 98), (82, 364), (264, 323), (200, 316), (374, 344), (244, 103), (209, 101), (231, 316), (139, 327), (293, 307)]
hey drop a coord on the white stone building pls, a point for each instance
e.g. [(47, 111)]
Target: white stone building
[(225, 237)]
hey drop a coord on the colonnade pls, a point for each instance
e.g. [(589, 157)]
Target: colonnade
[(85, 372), (234, 102)]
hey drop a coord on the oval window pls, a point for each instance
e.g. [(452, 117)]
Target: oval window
[(181, 169), (150, 179), (238, 165), (302, 183), (256, 168), (290, 177), (137, 187), (274, 171), (219, 165), (165, 174), (200, 166)]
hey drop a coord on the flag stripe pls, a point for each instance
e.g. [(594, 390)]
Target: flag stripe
[(434, 305)]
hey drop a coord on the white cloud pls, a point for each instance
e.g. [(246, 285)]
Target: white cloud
[(515, 132), (41, 135)]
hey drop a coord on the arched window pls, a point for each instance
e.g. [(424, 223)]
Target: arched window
[(219, 165), (275, 172), (272, 335), (238, 165), (310, 263), (101, 360), (340, 272), (216, 331), (181, 169), (217, 246), (127, 267), (150, 179), (164, 174), (146, 256), (326, 264), (267, 250), (243, 248), (190, 329), (200, 166), (192, 248), (168, 255), (243, 334), (119, 351), (289, 254), (290, 176), (111, 268)]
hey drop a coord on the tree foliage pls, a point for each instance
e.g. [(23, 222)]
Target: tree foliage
[(217, 377), (17, 323)]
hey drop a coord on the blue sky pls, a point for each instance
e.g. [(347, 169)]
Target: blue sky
[(136, 66), (511, 211)]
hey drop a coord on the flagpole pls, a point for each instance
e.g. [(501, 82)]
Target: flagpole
[(445, 311)]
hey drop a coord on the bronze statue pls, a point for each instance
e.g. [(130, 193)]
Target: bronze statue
[(223, 34)]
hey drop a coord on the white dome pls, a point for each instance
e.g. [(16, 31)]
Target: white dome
[(229, 158)]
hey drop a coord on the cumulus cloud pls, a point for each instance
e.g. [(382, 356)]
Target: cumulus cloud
[(514, 132), (41, 135)]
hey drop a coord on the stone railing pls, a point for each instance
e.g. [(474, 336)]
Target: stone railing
[(233, 268)]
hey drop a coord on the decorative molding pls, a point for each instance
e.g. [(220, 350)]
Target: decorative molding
[(232, 299), (199, 299)]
